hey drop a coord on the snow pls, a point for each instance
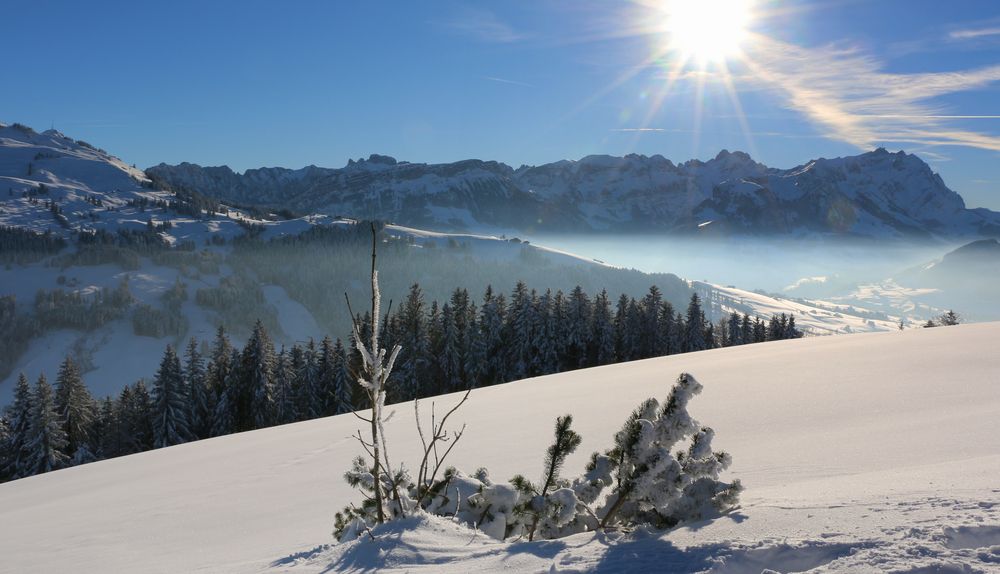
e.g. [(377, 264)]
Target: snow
[(813, 317), (863, 453)]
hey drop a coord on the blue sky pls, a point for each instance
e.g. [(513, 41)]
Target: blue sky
[(252, 84)]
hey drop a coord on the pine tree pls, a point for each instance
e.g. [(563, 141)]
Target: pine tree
[(310, 403), (219, 362), (538, 505), (520, 333), (578, 329), (110, 442), (170, 403), (734, 330), (255, 406), (488, 350), (550, 327), (286, 408), (791, 332), (224, 419), (5, 446), (602, 341), (201, 401), (650, 308), (46, 436), (694, 337), (415, 358), (622, 353), (326, 378), (141, 417), (20, 429), (450, 359), (666, 340), (77, 411), (342, 384), (746, 330)]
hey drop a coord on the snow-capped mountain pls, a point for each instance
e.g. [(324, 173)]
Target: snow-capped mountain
[(875, 194)]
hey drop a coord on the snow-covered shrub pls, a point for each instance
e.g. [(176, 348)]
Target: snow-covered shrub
[(661, 471), (648, 483)]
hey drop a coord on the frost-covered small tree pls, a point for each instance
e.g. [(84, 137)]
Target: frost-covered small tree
[(376, 368), (648, 483), (551, 503)]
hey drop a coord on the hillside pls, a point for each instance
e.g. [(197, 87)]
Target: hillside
[(119, 230), (874, 195), (865, 453)]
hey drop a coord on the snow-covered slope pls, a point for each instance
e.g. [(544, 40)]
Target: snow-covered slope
[(863, 453), (813, 317), (876, 194)]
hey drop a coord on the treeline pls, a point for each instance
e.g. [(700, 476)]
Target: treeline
[(311, 266), (21, 246), (217, 389)]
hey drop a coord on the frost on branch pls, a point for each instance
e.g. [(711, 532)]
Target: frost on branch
[(661, 471)]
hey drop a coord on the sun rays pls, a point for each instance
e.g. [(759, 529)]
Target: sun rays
[(703, 49)]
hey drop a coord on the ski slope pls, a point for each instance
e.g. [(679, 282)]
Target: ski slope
[(863, 453)]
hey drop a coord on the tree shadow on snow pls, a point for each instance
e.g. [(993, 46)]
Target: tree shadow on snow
[(653, 553), (299, 556)]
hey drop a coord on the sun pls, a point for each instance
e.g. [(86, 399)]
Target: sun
[(707, 32)]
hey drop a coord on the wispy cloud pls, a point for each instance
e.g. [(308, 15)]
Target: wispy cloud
[(483, 25), (506, 81), (848, 95), (642, 130), (974, 33)]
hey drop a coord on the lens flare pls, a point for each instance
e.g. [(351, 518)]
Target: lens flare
[(707, 31)]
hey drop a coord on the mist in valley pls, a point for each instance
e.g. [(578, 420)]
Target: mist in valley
[(882, 275)]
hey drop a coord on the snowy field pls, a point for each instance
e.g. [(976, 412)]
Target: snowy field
[(862, 453), (812, 317)]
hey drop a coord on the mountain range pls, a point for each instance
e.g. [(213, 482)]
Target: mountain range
[(876, 194)]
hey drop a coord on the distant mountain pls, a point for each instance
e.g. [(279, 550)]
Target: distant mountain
[(875, 194)]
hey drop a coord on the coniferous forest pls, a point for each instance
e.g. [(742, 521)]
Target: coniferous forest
[(212, 388)]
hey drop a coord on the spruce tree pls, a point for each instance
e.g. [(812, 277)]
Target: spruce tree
[(286, 409), (650, 307), (77, 411), (141, 417), (310, 391), (20, 422), (694, 339), (256, 404), (578, 329), (170, 403), (341, 382), (520, 333), (414, 359), (200, 396), (110, 443), (5, 446), (734, 330), (602, 339), (46, 436)]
